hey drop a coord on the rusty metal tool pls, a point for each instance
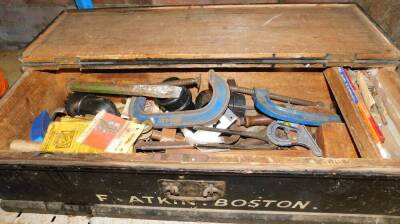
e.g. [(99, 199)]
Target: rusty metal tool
[(236, 146), (184, 82), (152, 90), (278, 97), (248, 134), (303, 136), (161, 146), (181, 119)]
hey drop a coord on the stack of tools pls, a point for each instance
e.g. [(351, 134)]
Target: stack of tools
[(360, 103), (178, 114), (375, 106)]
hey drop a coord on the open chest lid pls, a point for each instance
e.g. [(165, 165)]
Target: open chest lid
[(288, 35)]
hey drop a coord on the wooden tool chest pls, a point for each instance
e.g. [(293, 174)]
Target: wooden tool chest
[(290, 49)]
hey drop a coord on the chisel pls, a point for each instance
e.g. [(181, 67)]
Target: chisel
[(157, 91)]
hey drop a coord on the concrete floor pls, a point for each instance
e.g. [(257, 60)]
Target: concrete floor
[(31, 218)]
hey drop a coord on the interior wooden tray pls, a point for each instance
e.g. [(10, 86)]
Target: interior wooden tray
[(37, 91)]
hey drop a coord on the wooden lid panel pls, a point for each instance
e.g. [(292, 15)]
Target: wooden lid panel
[(335, 33)]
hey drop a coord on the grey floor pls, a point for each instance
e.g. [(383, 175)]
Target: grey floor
[(31, 218)]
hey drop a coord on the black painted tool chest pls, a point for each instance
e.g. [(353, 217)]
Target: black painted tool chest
[(288, 49)]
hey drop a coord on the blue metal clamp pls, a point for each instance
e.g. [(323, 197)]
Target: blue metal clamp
[(266, 106), (181, 119)]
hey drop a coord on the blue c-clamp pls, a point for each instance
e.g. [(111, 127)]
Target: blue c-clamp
[(181, 119), (217, 106), (266, 106)]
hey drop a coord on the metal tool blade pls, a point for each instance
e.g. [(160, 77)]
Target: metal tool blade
[(305, 139), (233, 132), (156, 91), (158, 146), (236, 147)]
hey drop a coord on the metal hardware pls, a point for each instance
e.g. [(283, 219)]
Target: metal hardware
[(237, 101), (236, 62), (152, 90), (58, 112), (303, 138), (183, 102), (203, 98), (247, 134), (184, 82), (236, 146), (273, 96), (78, 104), (159, 146), (262, 100), (263, 103), (256, 135), (180, 119), (192, 190)]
